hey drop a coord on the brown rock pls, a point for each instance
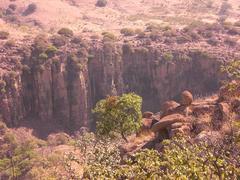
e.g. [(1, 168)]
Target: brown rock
[(169, 106), (147, 114), (176, 125), (186, 98), (167, 121)]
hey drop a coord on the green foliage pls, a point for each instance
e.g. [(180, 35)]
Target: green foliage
[(107, 36), (232, 69), (66, 32), (2, 86), (4, 34), (118, 114), (127, 32), (180, 159), (101, 3), (15, 159), (43, 56), (168, 56), (10, 43)]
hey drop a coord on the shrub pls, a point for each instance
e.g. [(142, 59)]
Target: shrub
[(179, 159), (127, 32), (4, 34), (168, 56), (51, 50), (2, 86), (43, 56), (58, 41), (213, 41), (76, 40), (10, 43), (101, 3), (12, 6), (66, 32), (26, 69), (30, 9), (40, 44), (118, 114), (107, 36)]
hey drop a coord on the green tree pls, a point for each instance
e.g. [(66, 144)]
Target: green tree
[(118, 115)]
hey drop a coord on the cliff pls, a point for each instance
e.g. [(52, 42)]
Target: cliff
[(45, 81)]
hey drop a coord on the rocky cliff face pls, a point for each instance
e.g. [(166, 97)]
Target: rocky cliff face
[(41, 83)]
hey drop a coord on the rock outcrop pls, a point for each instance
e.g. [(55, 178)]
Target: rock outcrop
[(63, 85)]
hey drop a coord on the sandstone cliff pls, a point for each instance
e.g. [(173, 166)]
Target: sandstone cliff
[(40, 82)]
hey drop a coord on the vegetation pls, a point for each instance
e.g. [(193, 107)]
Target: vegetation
[(179, 159), (4, 34), (30, 9), (66, 32), (168, 56), (107, 36), (127, 32), (101, 3), (118, 115)]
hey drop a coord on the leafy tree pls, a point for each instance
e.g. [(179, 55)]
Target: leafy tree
[(179, 159), (119, 115)]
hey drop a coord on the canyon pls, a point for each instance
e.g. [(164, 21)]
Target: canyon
[(64, 87)]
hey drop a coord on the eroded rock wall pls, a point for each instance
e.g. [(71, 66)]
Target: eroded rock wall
[(65, 87)]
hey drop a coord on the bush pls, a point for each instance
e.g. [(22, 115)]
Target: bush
[(179, 159), (58, 41), (30, 9), (127, 32), (213, 41), (107, 36), (4, 34), (51, 50), (168, 56), (66, 32), (12, 6), (2, 86), (118, 115), (40, 44), (101, 3), (10, 43)]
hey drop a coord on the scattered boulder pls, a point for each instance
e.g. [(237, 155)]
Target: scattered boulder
[(186, 98), (169, 106), (167, 121), (58, 139), (147, 114)]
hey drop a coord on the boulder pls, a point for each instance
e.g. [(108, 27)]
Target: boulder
[(147, 114), (186, 98), (167, 121), (169, 106), (176, 125)]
